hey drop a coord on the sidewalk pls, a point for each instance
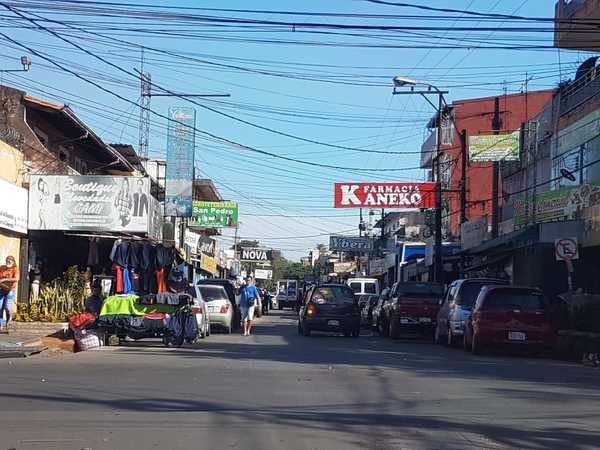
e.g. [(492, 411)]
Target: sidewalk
[(28, 338)]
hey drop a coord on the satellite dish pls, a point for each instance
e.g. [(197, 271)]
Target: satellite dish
[(567, 174)]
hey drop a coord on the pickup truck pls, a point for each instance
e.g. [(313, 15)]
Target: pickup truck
[(413, 308), (287, 294)]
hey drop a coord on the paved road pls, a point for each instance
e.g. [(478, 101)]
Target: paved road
[(277, 390)]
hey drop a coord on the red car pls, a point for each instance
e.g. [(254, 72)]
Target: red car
[(413, 308), (510, 316)]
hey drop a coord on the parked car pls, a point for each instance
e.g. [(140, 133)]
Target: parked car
[(366, 313), (379, 319), (231, 294), (362, 286), (220, 309), (200, 308), (510, 316), (330, 307), (456, 308), (413, 308)]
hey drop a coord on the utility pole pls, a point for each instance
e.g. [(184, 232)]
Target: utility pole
[(496, 126), (400, 82), (463, 189), (145, 96)]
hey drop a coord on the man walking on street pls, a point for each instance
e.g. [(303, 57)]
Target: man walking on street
[(248, 300)]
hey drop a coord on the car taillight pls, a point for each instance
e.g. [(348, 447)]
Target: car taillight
[(310, 310), (224, 309), (196, 309)]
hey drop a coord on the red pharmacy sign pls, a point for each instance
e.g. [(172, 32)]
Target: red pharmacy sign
[(385, 195)]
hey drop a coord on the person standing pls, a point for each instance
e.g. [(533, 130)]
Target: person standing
[(93, 304), (9, 274), (140, 200), (248, 299)]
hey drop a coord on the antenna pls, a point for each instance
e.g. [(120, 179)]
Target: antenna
[(145, 97)]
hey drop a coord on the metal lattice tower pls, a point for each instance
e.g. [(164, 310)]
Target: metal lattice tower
[(145, 97)]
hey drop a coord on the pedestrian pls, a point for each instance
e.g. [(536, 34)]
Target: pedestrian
[(93, 304), (248, 299), (266, 304), (9, 274)]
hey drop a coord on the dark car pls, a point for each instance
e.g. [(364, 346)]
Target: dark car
[(414, 308), (510, 316), (330, 307), (456, 308), (378, 312), (231, 293), (366, 313)]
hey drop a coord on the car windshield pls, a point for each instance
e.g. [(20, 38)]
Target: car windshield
[(421, 289), (356, 287), (212, 293), (370, 288), (521, 300), (333, 294), (470, 291)]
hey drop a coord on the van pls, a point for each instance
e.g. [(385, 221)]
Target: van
[(364, 286)]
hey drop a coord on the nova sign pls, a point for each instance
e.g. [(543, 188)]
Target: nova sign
[(256, 255), (350, 244), (385, 195)]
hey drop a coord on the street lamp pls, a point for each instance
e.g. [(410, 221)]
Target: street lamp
[(25, 62), (400, 82)]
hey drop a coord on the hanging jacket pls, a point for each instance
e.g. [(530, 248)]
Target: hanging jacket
[(121, 254), (134, 255), (164, 256)]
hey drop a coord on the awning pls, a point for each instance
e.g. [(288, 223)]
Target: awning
[(506, 242)]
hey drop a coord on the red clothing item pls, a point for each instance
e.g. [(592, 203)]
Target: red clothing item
[(161, 280), (9, 273), (119, 278)]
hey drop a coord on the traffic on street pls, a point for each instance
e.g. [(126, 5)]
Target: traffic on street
[(308, 225)]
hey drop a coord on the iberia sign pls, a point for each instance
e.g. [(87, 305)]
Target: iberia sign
[(384, 195)]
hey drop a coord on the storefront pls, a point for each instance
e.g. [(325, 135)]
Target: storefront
[(76, 220), (13, 207)]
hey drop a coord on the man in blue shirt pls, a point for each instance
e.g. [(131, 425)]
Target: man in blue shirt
[(248, 299)]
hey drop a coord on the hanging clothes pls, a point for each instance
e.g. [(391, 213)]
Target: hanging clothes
[(161, 280), (127, 289), (134, 255), (93, 259), (118, 270), (121, 253)]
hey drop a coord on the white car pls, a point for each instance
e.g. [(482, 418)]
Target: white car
[(218, 306), (200, 308)]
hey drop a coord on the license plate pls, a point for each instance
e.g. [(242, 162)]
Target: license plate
[(515, 336), (425, 319), (334, 323), (213, 309)]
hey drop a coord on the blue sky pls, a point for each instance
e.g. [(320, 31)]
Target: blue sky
[(281, 202)]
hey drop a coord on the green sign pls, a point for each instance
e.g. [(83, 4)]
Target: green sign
[(494, 147), (214, 214)]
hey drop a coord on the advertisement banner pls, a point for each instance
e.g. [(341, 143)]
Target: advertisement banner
[(494, 147), (344, 267), (263, 274), (384, 195), (263, 255), (474, 232), (208, 264), (215, 214), (90, 202), (350, 244), (13, 207), (569, 203), (180, 161)]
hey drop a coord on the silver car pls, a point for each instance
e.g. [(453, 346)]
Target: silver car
[(200, 308), (220, 309)]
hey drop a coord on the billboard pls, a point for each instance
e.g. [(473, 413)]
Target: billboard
[(13, 207), (264, 255), (385, 195), (90, 202), (494, 147), (350, 244), (263, 274), (215, 214), (180, 161)]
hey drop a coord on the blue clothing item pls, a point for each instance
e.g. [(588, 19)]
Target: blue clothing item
[(127, 289), (248, 294), (6, 305)]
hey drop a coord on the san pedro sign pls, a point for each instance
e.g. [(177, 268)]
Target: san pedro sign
[(263, 255), (385, 195)]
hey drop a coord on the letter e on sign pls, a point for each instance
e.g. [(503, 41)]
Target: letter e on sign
[(566, 248)]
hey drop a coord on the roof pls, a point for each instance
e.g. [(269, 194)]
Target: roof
[(205, 190), (128, 152), (65, 118)]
